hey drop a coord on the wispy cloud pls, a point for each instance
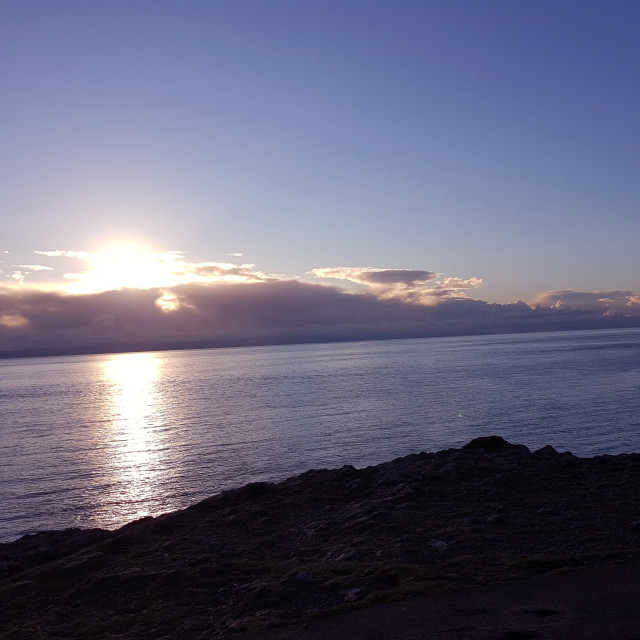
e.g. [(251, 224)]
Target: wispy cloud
[(410, 285), (86, 272), (62, 253), (22, 271), (221, 271)]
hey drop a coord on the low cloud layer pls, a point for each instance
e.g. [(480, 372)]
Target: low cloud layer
[(267, 310), (618, 301), (128, 299)]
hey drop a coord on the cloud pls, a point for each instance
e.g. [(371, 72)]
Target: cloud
[(458, 284), (612, 301), (35, 267), (22, 271), (261, 312), (410, 285), (61, 253), (125, 267), (132, 300), (212, 271), (370, 275)]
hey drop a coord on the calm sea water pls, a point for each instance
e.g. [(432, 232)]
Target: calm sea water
[(100, 440)]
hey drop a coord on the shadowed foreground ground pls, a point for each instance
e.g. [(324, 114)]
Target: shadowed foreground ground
[(596, 603), (330, 541)]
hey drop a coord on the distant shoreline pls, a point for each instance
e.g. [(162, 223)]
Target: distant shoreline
[(120, 348)]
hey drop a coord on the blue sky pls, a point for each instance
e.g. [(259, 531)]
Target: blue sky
[(495, 141)]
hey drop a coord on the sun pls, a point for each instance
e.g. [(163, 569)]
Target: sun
[(125, 266)]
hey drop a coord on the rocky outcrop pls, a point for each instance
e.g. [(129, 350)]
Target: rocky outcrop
[(325, 541)]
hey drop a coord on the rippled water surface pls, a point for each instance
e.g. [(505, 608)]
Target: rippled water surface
[(101, 440)]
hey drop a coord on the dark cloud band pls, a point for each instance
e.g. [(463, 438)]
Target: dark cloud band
[(276, 311)]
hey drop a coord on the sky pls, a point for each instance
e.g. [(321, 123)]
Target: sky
[(243, 171)]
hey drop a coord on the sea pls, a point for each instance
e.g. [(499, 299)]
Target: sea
[(100, 440)]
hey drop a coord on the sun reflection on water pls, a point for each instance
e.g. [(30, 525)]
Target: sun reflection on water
[(132, 429)]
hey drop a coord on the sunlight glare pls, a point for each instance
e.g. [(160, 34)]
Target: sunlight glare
[(124, 266), (132, 381)]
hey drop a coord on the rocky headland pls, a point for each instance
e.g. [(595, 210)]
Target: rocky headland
[(325, 542)]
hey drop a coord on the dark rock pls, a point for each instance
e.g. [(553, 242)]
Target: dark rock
[(272, 553), (253, 490), (352, 595), (546, 451), (495, 518), (493, 444)]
